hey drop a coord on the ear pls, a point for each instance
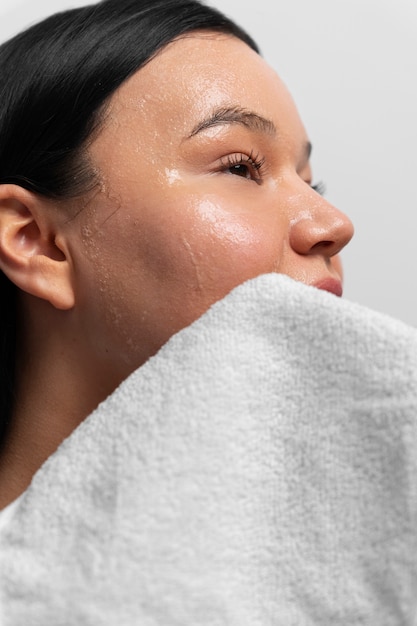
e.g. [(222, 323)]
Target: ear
[(32, 254)]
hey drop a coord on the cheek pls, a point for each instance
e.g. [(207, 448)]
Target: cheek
[(175, 244), (156, 269), (188, 251), (219, 245)]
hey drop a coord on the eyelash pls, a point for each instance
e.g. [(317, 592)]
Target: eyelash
[(253, 161), (319, 188), (256, 163)]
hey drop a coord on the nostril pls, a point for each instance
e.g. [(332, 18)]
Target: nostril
[(323, 232), (322, 245)]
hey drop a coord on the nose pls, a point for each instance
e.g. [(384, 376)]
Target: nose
[(318, 228)]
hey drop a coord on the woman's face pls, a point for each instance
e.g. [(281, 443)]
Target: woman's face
[(206, 183)]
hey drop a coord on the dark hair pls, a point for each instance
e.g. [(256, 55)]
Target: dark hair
[(55, 78)]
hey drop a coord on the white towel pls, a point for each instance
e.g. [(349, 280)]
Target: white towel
[(260, 470)]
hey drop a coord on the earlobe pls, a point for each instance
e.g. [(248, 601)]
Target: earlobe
[(29, 253)]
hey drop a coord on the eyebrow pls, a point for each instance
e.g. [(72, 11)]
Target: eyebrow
[(235, 115)]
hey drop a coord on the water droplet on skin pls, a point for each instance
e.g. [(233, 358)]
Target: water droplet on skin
[(172, 176)]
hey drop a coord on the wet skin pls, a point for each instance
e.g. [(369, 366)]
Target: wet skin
[(206, 182)]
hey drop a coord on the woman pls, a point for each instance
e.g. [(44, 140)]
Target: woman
[(150, 161)]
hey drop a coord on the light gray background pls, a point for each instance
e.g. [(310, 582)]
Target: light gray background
[(351, 66)]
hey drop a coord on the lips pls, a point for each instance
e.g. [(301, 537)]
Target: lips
[(331, 285)]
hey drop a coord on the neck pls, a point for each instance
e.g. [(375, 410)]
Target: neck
[(45, 414), (57, 387)]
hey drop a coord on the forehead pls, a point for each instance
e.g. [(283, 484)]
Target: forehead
[(198, 73)]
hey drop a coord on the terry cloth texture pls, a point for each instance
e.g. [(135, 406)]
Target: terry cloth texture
[(260, 470)]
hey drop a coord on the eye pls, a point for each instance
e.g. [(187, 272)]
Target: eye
[(319, 188), (247, 166), (240, 169)]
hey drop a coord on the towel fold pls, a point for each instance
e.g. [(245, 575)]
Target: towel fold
[(260, 470)]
